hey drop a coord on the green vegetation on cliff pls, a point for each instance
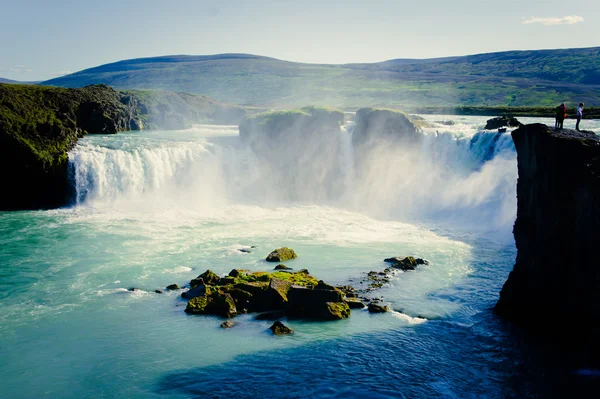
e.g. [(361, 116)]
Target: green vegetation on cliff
[(513, 78), (40, 124)]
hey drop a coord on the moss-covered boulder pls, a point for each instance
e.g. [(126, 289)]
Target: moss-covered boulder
[(215, 303), (354, 303), (278, 328), (377, 308), (281, 255), (173, 287), (206, 278), (281, 266), (278, 292)]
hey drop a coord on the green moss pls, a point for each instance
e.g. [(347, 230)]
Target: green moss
[(338, 310), (281, 255)]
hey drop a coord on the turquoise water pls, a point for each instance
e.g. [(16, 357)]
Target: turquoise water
[(157, 208)]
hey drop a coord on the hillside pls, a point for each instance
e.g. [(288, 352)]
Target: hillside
[(514, 78), (40, 124)]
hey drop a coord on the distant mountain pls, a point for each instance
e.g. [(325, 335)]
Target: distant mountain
[(16, 82), (8, 81), (512, 78)]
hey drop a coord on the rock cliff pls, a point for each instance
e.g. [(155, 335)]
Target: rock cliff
[(554, 287), (40, 124)]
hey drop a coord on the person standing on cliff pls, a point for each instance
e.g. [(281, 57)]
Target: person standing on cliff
[(561, 114), (579, 116)]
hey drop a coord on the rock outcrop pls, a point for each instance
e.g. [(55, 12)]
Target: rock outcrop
[(279, 294), (502, 121), (556, 275), (295, 148), (377, 126), (39, 125)]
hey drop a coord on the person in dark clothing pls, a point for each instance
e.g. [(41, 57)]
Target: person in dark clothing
[(561, 114), (579, 116)]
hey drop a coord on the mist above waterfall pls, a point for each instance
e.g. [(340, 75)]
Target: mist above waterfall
[(454, 174)]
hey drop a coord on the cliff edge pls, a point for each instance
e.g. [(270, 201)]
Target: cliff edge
[(554, 287)]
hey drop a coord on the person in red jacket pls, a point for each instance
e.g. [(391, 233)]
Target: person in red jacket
[(561, 114)]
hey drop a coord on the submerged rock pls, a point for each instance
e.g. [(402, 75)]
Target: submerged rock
[(281, 255), (278, 328), (282, 267), (173, 287), (502, 121), (158, 292)]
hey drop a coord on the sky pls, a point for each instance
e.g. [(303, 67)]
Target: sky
[(42, 39)]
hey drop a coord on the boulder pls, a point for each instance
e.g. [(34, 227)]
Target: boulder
[(406, 263), (158, 291), (228, 324), (197, 291), (282, 267), (376, 308), (173, 287), (278, 292), (355, 303), (316, 304), (281, 255), (215, 303), (502, 121), (278, 328), (206, 278)]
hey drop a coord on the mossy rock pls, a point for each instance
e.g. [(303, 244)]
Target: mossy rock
[(278, 291), (206, 278), (281, 266), (376, 308), (281, 255), (278, 328), (336, 311), (354, 303), (216, 303), (173, 287)]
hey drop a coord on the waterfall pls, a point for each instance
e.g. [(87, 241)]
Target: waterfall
[(452, 176)]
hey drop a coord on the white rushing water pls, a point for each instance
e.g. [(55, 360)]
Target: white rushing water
[(459, 175)]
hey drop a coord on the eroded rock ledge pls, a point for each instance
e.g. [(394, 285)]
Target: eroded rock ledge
[(554, 287)]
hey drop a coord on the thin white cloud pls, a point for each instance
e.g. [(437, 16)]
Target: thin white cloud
[(568, 20), (18, 69)]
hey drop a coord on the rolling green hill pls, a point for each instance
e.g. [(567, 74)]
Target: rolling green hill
[(514, 78)]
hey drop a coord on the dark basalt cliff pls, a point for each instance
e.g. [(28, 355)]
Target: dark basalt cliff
[(39, 125), (557, 272)]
